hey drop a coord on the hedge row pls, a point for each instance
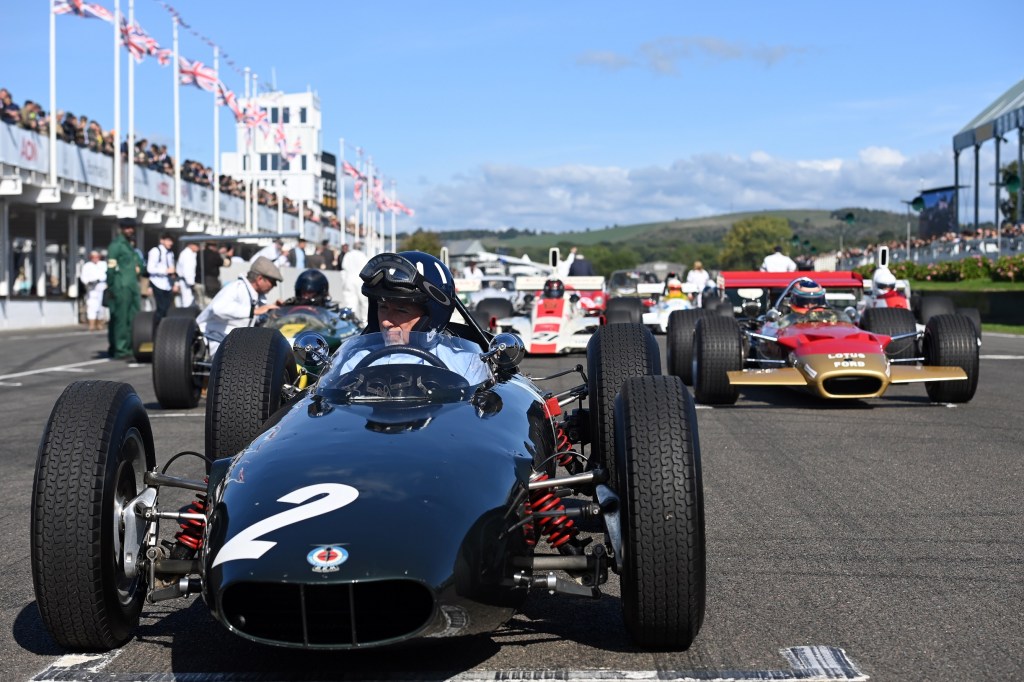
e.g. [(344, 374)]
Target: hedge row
[(1003, 269)]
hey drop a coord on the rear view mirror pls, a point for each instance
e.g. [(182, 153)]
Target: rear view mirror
[(311, 349)]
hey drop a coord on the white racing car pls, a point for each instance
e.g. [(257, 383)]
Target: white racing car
[(559, 315), (656, 317)]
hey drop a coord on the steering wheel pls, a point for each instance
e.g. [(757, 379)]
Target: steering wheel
[(426, 356)]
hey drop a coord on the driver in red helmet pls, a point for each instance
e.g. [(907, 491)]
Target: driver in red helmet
[(411, 298)]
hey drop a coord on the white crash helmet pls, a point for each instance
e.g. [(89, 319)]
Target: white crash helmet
[(883, 280)]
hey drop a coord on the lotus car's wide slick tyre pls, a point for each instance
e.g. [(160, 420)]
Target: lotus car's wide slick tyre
[(142, 336), (890, 322), (936, 305), (95, 450), (618, 316), (633, 307), (247, 376), (495, 307), (179, 346), (974, 315), (663, 567), (679, 342), (951, 341), (615, 353), (717, 349)]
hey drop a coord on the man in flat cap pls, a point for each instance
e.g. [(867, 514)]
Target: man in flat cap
[(240, 302), (123, 266)]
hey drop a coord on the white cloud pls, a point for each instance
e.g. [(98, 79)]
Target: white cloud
[(663, 55), (575, 197)]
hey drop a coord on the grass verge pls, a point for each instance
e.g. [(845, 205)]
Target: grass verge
[(966, 285), (1003, 328)]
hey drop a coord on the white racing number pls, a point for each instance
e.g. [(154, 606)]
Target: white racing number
[(247, 545)]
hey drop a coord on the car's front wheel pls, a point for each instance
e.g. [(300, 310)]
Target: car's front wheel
[(177, 352), (247, 379), (94, 453), (718, 350), (663, 564), (951, 341)]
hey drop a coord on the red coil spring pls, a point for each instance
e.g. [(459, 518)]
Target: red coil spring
[(559, 529), (563, 446), (191, 533)]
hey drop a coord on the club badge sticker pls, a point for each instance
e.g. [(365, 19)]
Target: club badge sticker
[(327, 558)]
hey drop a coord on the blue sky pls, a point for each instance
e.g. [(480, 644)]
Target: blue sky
[(568, 115)]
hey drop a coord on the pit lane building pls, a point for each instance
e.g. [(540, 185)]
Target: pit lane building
[(47, 229)]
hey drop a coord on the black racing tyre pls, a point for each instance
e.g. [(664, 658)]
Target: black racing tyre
[(482, 319), (247, 376), (951, 341), (494, 307), (191, 311), (178, 348), (633, 307), (142, 336), (724, 308), (890, 322), (717, 349), (936, 305), (618, 316), (679, 342), (663, 563), (974, 315), (95, 450), (614, 353)]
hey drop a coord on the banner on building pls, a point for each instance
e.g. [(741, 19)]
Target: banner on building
[(939, 212)]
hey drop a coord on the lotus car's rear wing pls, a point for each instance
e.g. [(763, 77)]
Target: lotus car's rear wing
[(576, 283), (780, 280)]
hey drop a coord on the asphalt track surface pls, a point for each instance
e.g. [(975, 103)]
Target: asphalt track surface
[(890, 529)]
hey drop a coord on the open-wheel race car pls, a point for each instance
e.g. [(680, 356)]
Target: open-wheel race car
[(383, 503), (558, 316), (181, 356), (792, 333)]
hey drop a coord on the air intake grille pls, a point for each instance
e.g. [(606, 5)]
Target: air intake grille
[(335, 616), (852, 386)]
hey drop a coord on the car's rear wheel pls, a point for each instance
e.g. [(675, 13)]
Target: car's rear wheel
[(142, 336), (659, 482), (936, 305), (679, 342), (179, 348), (615, 353), (618, 316), (718, 349), (632, 307), (247, 379), (891, 322), (950, 341), (96, 447)]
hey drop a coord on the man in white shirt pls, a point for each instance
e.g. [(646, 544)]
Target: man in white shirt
[(94, 277), (239, 303), (188, 260), (351, 284), (472, 271), (778, 262), (162, 276), (697, 275), (271, 251)]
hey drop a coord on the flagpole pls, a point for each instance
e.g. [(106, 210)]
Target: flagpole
[(341, 188), (215, 180), (117, 102), (246, 162), (131, 113), (177, 121), (53, 96), (252, 165), (394, 198), (365, 207)]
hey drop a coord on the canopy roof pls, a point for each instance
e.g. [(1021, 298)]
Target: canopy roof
[(998, 118)]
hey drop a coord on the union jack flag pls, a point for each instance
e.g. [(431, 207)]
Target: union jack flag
[(86, 10), (349, 169), (197, 74), (134, 39), (228, 99), (279, 137), (295, 150), (357, 189), (256, 117), (399, 206)]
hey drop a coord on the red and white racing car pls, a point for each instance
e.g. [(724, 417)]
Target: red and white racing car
[(559, 316)]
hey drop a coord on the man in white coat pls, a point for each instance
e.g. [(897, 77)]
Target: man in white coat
[(352, 297), (239, 303), (94, 277), (188, 259)]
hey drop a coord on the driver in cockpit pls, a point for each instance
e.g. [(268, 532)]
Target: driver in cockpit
[(412, 292), (807, 303)]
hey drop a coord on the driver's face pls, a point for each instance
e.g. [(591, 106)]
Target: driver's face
[(398, 317)]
